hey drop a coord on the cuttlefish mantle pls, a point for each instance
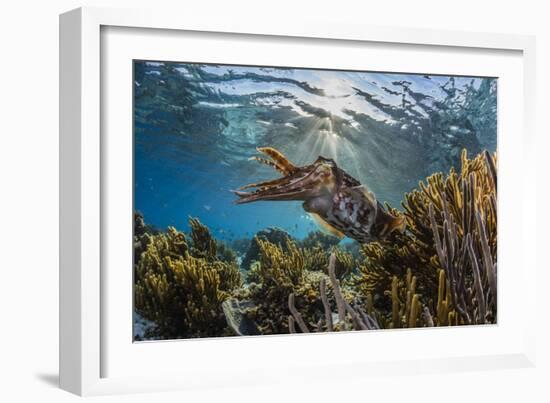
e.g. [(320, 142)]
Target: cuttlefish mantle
[(339, 202)]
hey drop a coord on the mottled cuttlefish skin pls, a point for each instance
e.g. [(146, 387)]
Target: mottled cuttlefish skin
[(334, 198)]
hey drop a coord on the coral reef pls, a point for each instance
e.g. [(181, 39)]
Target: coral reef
[(278, 274), (452, 226), (142, 235), (353, 248), (240, 246), (319, 239), (317, 259), (344, 263), (225, 253), (407, 310), (181, 287), (238, 318), (274, 235), (347, 318), (203, 246), (442, 271), (285, 270)]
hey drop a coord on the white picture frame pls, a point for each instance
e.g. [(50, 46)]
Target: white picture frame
[(84, 310)]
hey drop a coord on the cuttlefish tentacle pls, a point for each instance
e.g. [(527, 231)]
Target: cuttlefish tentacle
[(331, 195), (280, 162), (265, 162), (266, 184)]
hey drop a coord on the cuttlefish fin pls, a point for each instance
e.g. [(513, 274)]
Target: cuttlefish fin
[(326, 227), (280, 162)]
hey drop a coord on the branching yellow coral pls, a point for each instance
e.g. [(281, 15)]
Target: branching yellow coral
[(203, 243), (181, 293), (317, 259), (278, 274), (284, 269)]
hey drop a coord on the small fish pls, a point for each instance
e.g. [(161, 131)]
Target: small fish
[(207, 207), (337, 201)]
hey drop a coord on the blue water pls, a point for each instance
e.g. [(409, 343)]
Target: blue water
[(197, 125)]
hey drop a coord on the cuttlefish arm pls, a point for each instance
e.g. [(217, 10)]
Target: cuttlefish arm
[(298, 183), (278, 160)]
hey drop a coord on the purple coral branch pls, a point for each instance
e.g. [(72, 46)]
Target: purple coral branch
[(480, 297), (487, 258), (297, 316), (360, 320), (326, 305), (340, 303)]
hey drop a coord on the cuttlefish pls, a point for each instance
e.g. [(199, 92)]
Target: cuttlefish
[(336, 200)]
